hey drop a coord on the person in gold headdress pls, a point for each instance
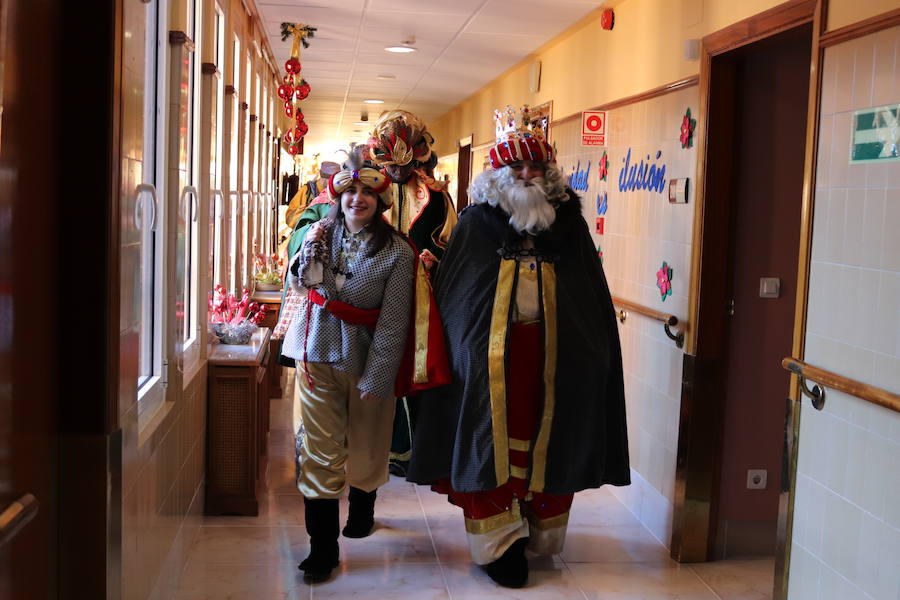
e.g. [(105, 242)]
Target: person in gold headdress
[(421, 209)]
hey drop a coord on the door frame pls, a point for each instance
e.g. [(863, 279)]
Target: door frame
[(701, 423), (463, 172)]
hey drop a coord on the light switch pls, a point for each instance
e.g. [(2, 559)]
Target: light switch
[(769, 287)]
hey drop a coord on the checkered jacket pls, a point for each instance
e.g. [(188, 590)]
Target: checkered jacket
[(384, 280)]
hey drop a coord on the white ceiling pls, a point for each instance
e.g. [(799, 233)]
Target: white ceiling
[(463, 45)]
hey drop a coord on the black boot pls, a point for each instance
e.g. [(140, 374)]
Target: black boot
[(361, 520), (511, 569), (322, 523)]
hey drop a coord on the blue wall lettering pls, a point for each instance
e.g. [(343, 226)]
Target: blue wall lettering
[(578, 180), (601, 203), (642, 176)]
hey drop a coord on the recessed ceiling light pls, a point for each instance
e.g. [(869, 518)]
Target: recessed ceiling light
[(385, 76), (406, 45), (373, 101), (361, 123)]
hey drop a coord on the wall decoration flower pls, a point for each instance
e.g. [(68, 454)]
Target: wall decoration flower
[(687, 129), (604, 166), (664, 280)]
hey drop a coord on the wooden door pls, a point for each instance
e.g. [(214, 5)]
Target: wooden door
[(28, 410)]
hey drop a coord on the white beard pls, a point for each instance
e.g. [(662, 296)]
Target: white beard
[(528, 206)]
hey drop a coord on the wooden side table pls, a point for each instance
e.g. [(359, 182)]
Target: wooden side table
[(238, 399), (273, 301)]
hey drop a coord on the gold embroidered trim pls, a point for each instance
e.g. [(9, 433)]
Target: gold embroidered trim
[(497, 367), (548, 296), (520, 445), (518, 472), (551, 523), (482, 526), (422, 310)]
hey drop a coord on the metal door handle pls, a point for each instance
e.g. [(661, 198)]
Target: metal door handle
[(16, 515)]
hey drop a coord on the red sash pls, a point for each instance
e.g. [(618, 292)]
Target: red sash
[(423, 366), (347, 312)]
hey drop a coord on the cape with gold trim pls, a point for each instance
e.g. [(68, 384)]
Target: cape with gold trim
[(461, 428)]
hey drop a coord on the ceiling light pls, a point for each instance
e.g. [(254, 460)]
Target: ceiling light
[(385, 76), (361, 123), (373, 101), (404, 46)]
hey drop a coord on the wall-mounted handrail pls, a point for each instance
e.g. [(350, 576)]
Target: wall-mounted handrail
[(16, 515), (861, 390), (668, 321)]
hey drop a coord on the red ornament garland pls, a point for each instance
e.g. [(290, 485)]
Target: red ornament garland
[(294, 88)]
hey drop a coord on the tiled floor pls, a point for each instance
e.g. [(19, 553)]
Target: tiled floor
[(419, 551)]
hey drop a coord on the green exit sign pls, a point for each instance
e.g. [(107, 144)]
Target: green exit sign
[(876, 134)]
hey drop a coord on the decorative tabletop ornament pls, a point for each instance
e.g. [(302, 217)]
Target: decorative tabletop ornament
[(687, 130), (603, 168), (664, 280), (234, 321)]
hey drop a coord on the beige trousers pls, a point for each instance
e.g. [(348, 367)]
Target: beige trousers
[(348, 440)]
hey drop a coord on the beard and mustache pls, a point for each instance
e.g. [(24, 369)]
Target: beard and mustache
[(528, 203)]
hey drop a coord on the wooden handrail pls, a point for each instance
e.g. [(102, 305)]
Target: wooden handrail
[(668, 321), (861, 390)]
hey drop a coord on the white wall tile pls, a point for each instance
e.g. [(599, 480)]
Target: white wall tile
[(803, 583)]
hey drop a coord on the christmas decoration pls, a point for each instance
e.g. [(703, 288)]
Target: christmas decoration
[(664, 280), (603, 169), (234, 321), (687, 130), (294, 88)]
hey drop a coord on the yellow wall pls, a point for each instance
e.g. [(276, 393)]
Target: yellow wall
[(847, 12), (587, 66)]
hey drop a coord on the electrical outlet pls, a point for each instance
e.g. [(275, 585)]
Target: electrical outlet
[(756, 479)]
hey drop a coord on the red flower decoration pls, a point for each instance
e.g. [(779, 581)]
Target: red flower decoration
[(664, 280), (687, 130), (603, 169)]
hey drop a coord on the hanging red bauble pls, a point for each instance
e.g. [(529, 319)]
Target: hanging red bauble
[(288, 137), (302, 90), (293, 150), (288, 80), (301, 129), (288, 110), (298, 116), (285, 91), (292, 65)]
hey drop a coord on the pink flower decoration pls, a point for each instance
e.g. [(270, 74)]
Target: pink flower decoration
[(603, 169), (664, 280), (687, 130)]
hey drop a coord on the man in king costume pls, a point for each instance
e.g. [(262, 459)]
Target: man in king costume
[(536, 409), (422, 210)]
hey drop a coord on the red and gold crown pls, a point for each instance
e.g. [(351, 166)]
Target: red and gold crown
[(518, 139)]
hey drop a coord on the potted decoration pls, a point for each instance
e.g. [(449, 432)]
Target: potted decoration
[(267, 272), (234, 321)]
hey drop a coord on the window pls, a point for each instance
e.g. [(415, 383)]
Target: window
[(150, 218), (217, 233), (190, 199)]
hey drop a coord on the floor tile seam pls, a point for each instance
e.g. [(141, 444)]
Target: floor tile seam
[(703, 581), (433, 545), (574, 578), (619, 562)]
